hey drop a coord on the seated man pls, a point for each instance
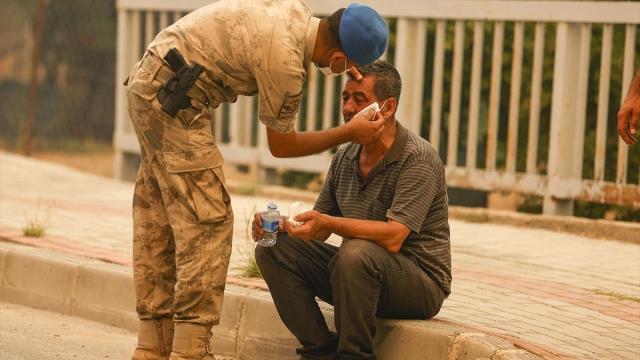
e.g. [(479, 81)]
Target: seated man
[(388, 200)]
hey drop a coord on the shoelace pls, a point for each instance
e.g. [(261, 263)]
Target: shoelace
[(208, 348)]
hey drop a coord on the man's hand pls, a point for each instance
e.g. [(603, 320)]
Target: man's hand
[(257, 232), (364, 128), (313, 228), (628, 116)]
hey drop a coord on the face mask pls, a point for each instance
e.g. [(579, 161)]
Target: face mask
[(327, 69), (372, 109)]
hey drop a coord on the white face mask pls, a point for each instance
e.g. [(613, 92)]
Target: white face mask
[(327, 69)]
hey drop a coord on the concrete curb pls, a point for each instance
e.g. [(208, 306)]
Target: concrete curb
[(595, 229), (249, 328)]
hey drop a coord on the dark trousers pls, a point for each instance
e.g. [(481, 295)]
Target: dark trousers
[(360, 279)]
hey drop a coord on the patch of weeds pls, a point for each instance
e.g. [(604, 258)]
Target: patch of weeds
[(246, 189), (615, 295), (532, 204), (37, 224), (297, 179), (249, 266)]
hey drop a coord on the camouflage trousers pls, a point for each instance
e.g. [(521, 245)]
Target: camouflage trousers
[(182, 216)]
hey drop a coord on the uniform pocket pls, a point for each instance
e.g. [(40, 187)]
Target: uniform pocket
[(198, 177), (142, 80)]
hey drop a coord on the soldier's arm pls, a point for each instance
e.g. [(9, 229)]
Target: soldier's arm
[(629, 113), (292, 144)]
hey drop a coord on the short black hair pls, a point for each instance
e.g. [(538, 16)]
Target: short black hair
[(333, 21), (387, 79)]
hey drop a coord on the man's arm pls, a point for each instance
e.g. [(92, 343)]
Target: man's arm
[(629, 113), (390, 235), (360, 129)]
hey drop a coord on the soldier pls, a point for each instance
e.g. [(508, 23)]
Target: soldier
[(182, 214)]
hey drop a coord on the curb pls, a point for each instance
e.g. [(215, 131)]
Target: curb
[(596, 229), (249, 327)]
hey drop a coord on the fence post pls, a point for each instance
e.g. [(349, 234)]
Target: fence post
[(409, 60), (126, 164), (565, 146)]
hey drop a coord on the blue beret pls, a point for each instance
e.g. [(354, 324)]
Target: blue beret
[(363, 33)]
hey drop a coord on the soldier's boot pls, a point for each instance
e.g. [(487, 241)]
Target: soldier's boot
[(155, 338), (192, 342)]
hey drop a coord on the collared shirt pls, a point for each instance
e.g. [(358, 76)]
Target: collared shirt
[(408, 186), (248, 47)]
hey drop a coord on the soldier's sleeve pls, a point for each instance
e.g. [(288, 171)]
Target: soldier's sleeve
[(279, 92)]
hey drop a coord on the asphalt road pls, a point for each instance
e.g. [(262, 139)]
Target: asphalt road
[(29, 334)]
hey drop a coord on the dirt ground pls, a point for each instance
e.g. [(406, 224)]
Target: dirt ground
[(99, 163), (100, 160)]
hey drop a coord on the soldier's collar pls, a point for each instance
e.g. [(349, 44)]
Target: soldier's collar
[(312, 35)]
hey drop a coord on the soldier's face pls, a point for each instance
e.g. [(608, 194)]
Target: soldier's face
[(357, 95)]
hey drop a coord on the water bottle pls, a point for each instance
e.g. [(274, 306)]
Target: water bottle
[(270, 221)]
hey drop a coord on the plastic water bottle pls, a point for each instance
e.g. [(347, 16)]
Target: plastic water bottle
[(270, 222)]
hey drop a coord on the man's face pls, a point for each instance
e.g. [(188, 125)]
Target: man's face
[(356, 96)]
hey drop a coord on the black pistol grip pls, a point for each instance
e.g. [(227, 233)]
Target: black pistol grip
[(175, 60)]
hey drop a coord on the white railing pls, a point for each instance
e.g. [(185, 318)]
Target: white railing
[(474, 161)]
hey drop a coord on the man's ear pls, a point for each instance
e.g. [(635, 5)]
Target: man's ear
[(339, 55), (389, 107)]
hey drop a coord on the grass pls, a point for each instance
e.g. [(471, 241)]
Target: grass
[(34, 228), (249, 267), (246, 189), (616, 295), (37, 223)]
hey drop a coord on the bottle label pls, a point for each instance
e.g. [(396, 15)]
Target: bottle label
[(270, 225)]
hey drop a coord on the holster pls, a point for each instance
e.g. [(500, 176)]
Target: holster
[(173, 94)]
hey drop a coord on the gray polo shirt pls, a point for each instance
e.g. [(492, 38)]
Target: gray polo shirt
[(408, 186)]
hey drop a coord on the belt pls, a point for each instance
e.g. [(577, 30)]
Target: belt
[(154, 64)]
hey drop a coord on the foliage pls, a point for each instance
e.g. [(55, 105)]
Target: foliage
[(533, 204), (76, 91), (297, 179)]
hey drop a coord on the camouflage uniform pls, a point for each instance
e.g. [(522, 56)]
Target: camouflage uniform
[(182, 214)]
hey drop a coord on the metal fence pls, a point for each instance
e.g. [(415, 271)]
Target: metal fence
[(460, 109)]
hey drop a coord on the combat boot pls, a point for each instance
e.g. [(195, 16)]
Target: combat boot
[(155, 338), (192, 342)]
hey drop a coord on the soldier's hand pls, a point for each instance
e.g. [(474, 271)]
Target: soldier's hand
[(628, 116), (366, 127), (355, 73)]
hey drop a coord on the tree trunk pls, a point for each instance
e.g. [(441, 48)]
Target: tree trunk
[(32, 103)]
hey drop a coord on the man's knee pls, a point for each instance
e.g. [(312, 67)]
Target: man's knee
[(357, 255), (266, 256)]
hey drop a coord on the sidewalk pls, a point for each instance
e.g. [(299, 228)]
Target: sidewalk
[(554, 294)]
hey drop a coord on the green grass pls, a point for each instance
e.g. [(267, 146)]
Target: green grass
[(34, 228), (249, 266), (615, 295), (246, 189), (38, 222)]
